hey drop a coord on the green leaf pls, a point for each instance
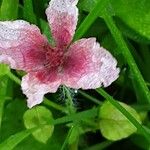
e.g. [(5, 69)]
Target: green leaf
[(87, 5), (28, 11), (91, 17), (46, 30), (91, 113), (75, 133), (39, 116), (140, 141), (53, 143), (4, 69), (3, 89), (12, 117), (9, 9), (13, 123), (13, 140), (141, 129), (40, 7), (113, 124), (136, 74), (139, 19), (136, 25), (130, 32)]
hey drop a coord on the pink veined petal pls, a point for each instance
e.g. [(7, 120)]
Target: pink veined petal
[(35, 90), (89, 66), (21, 45), (62, 16)]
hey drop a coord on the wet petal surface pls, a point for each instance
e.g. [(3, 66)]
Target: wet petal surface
[(62, 16), (35, 90), (21, 45), (89, 66)]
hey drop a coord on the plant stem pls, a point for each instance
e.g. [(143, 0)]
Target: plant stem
[(3, 90), (93, 99), (67, 138), (100, 146), (74, 146), (128, 57), (69, 102), (54, 105), (148, 84), (14, 78), (2, 102)]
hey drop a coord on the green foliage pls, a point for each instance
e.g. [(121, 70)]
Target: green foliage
[(116, 24), (75, 133), (4, 69), (9, 9), (29, 12), (12, 141), (39, 116), (113, 124), (12, 118), (140, 141), (133, 17), (90, 18), (46, 30), (3, 85)]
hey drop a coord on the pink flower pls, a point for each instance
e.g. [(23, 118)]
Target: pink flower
[(83, 64)]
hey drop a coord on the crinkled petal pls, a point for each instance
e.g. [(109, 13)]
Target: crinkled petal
[(21, 45), (35, 90), (62, 16), (89, 66)]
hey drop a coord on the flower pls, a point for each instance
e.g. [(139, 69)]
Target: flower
[(82, 64)]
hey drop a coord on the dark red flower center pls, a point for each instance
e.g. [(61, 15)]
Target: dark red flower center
[(54, 57)]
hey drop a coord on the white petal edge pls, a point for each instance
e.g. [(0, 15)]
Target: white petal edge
[(62, 16), (101, 68), (8, 60), (35, 90)]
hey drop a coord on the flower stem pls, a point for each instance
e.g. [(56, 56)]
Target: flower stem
[(69, 102), (67, 138), (3, 92), (91, 98), (54, 105), (74, 146), (101, 146), (14, 78), (148, 84)]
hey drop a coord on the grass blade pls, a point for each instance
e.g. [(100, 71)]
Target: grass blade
[(28, 12), (89, 97), (14, 140), (100, 146), (3, 89), (129, 58), (67, 138), (91, 113), (9, 9), (99, 6)]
